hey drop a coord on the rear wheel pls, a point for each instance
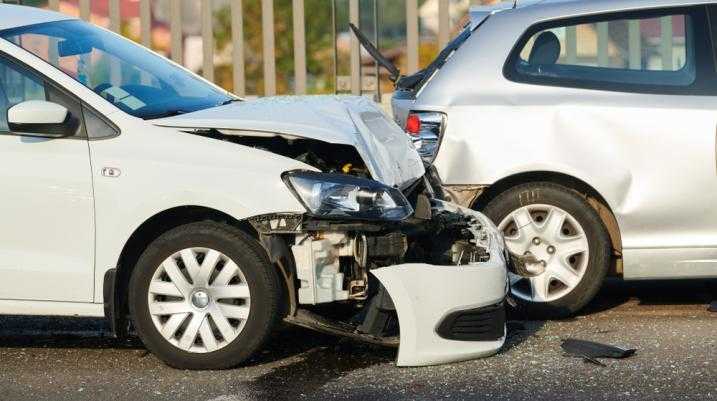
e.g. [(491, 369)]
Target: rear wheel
[(567, 238), (204, 296)]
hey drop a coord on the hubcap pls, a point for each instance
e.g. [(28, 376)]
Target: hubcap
[(199, 300), (558, 243)]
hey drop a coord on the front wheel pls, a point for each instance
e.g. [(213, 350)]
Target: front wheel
[(204, 296), (567, 239)]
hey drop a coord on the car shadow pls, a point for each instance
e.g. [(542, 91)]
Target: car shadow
[(291, 341), (518, 331), (93, 333), (60, 332), (316, 359), (616, 292)]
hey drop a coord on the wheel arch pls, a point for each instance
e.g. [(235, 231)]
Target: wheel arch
[(592, 195), (116, 307)]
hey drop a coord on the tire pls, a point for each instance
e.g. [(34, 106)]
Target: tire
[(571, 277), (251, 316)]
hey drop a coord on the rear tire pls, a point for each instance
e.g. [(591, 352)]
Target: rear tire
[(560, 228), (204, 296)]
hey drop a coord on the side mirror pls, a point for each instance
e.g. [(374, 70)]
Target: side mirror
[(41, 118)]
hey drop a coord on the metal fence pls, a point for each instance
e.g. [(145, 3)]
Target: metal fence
[(268, 37), (356, 77)]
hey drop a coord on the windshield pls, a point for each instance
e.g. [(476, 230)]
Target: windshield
[(129, 76)]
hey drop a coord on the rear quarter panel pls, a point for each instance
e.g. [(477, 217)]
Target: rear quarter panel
[(651, 157)]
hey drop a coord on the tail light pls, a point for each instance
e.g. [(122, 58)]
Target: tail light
[(425, 129), (413, 125)]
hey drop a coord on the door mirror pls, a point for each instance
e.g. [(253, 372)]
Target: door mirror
[(41, 118)]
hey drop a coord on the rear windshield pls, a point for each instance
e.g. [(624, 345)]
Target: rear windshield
[(418, 80), (452, 46)]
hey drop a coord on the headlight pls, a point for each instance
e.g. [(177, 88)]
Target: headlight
[(342, 196)]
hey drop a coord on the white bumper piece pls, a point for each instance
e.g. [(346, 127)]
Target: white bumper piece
[(424, 295)]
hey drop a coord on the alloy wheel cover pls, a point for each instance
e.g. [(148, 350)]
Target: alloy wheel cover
[(555, 238), (199, 300)]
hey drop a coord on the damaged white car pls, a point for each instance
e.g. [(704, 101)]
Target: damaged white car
[(136, 190)]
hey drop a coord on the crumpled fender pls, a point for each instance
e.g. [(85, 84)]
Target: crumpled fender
[(424, 294)]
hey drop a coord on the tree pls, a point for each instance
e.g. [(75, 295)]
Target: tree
[(319, 47)]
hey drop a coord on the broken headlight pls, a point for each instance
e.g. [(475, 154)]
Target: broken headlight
[(342, 196)]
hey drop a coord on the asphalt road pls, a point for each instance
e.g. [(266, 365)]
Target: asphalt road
[(73, 359)]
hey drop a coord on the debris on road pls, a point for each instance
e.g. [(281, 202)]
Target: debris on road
[(591, 351)]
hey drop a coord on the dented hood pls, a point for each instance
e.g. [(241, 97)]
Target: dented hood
[(346, 120)]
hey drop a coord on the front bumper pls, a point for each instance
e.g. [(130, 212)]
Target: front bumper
[(446, 312), (431, 299)]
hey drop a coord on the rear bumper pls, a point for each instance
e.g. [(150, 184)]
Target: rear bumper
[(448, 313)]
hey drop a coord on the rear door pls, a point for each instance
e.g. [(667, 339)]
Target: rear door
[(640, 111)]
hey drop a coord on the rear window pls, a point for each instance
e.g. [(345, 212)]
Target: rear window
[(632, 52)]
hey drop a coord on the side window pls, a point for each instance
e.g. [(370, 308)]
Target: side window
[(97, 127), (611, 52), (18, 84)]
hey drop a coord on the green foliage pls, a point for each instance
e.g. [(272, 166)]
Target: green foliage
[(319, 57)]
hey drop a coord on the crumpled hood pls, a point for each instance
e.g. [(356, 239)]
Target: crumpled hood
[(346, 120)]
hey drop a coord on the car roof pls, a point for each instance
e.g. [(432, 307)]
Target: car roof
[(14, 16), (564, 8)]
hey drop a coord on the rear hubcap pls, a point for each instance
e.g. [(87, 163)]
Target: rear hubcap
[(559, 245)]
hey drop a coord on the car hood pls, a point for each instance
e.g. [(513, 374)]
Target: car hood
[(345, 120)]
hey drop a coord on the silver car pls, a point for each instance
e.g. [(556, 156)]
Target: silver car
[(586, 130)]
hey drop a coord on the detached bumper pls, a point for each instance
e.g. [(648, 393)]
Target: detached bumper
[(448, 313)]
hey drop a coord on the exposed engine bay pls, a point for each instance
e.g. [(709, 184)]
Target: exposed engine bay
[(329, 158), (329, 261), (378, 256), (332, 261)]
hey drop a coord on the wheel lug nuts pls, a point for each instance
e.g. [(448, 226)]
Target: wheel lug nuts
[(536, 241), (551, 249)]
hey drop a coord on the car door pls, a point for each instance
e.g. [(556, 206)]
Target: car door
[(46, 201), (638, 112)]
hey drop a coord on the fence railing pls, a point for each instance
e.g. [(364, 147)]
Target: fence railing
[(636, 44), (268, 39)]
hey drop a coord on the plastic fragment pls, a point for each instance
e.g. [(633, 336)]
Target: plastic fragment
[(591, 351)]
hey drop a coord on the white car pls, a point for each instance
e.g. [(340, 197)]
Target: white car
[(133, 189), (586, 130)]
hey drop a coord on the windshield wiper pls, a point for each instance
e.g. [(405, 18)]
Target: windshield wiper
[(229, 101), (393, 71)]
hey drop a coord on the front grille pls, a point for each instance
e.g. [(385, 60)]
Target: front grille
[(481, 324)]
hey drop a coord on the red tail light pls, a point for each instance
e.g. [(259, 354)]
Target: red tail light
[(425, 129), (413, 125)]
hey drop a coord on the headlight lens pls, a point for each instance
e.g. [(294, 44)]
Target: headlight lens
[(343, 196)]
